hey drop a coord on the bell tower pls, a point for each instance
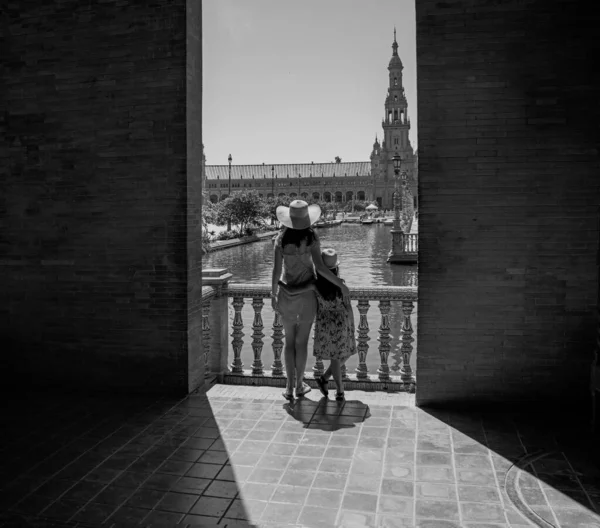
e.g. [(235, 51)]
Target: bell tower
[(396, 127), (396, 124)]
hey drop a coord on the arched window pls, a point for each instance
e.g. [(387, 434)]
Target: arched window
[(395, 81)]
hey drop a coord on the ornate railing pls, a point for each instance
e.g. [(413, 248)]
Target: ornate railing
[(410, 243), (217, 350)]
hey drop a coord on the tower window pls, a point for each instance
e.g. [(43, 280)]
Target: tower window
[(395, 98), (395, 81), (395, 141)]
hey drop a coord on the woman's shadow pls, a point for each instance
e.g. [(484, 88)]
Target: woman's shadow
[(326, 414)]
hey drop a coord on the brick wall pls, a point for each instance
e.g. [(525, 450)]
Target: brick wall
[(94, 194), (508, 200)]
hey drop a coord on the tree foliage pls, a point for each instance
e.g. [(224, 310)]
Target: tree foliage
[(242, 208)]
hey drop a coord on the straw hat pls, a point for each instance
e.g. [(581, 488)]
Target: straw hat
[(330, 258), (299, 215)]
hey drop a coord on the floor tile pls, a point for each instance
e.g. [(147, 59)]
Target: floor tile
[(435, 490), (211, 506), (266, 476), (472, 511), (293, 477), (280, 512), (290, 494), (177, 502), (314, 517), (400, 488), (352, 519), (356, 501), (436, 509), (324, 498), (478, 494), (222, 488), (333, 481), (400, 506)]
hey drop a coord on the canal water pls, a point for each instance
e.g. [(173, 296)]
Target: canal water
[(362, 250)]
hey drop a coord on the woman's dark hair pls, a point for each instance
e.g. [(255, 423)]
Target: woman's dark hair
[(296, 236), (327, 289)]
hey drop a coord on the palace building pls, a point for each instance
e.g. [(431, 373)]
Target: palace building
[(372, 180)]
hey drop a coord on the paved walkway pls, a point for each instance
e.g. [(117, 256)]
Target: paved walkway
[(241, 456)]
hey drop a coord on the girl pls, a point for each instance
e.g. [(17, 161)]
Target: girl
[(297, 253), (334, 327)]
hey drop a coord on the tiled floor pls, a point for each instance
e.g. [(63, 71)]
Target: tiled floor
[(241, 456)]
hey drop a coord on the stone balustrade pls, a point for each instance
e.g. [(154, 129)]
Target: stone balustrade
[(217, 291), (411, 243)]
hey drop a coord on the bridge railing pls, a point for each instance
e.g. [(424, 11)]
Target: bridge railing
[(215, 327)]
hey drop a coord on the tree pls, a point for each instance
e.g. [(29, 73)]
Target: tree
[(271, 205), (209, 215), (243, 208)]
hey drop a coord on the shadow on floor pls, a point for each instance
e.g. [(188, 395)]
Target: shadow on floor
[(86, 460), (327, 415), (546, 465)]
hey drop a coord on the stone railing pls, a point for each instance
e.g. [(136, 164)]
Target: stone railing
[(410, 243), (215, 327)]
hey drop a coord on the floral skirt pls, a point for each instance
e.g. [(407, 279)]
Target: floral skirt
[(334, 335)]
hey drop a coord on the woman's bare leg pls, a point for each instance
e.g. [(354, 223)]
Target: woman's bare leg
[(289, 354), (327, 373), (302, 336)]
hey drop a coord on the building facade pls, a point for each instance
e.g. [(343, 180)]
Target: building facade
[(338, 181)]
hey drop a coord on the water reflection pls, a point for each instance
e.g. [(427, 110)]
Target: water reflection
[(362, 251)]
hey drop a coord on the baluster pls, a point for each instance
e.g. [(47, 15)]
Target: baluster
[(206, 336), (384, 340), (407, 339), (362, 371), (257, 336), (318, 367), (277, 367), (237, 366), (344, 370)]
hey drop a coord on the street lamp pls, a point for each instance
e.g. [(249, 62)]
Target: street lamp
[(273, 181), (229, 159), (272, 191), (397, 201), (299, 186)]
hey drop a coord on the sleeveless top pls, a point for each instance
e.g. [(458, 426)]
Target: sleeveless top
[(298, 267)]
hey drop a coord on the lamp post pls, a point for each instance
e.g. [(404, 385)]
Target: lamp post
[(299, 186), (397, 200), (273, 190), (229, 159)]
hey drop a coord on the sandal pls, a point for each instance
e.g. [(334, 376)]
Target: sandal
[(339, 396), (305, 390), (322, 383), (289, 396)]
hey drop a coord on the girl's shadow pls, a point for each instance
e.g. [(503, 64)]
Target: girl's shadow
[(326, 414)]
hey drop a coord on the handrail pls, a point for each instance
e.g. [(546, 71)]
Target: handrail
[(208, 292), (374, 293)]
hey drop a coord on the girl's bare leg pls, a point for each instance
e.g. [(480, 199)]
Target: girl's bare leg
[(289, 354), (301, 344), (336, 371)]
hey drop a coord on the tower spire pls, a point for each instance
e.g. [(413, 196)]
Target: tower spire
[(395, 44)]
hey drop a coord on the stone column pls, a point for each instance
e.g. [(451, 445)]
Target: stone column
[(219, 323)]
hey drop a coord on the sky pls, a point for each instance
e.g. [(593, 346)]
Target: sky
[(300, 81)]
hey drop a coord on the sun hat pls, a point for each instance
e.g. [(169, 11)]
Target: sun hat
[(299, 215), (330, 258)]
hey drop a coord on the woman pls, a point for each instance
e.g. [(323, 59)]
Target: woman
[(334, 327), (297, 253)]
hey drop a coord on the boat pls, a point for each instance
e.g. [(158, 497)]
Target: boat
[(367, 221), (327, 223), (388, 221)]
